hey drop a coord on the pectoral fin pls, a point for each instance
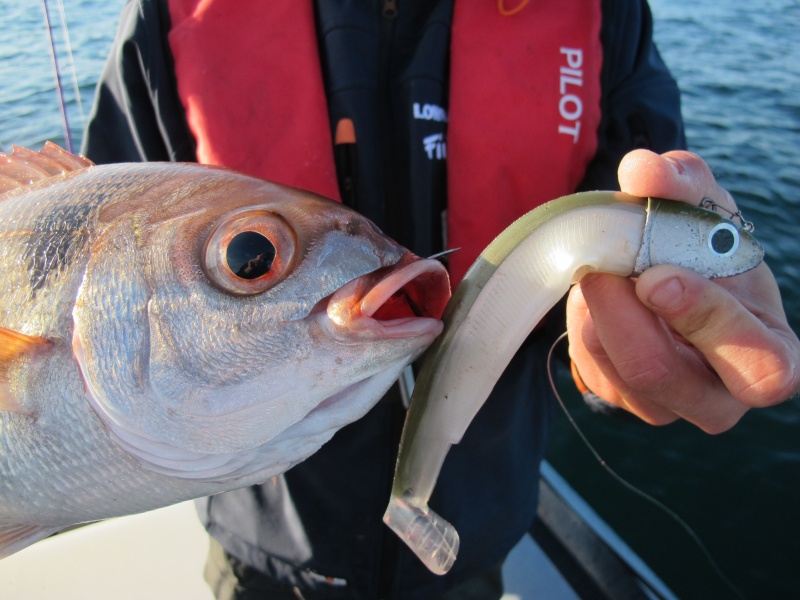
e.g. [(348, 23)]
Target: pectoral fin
[(14, 538), (15, 346)]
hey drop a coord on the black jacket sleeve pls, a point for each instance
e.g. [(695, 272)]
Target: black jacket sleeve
[(137, 115), (640, 102)]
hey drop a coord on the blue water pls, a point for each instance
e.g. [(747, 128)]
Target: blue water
[(738, 65)]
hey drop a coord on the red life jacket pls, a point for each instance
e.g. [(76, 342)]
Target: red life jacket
[(523, 115)]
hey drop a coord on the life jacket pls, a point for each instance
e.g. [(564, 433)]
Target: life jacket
[(524, 104)]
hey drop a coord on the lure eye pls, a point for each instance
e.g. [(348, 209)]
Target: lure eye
[(723, 240), (249, 252)]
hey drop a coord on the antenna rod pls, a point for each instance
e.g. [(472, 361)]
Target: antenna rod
[(59, 89)]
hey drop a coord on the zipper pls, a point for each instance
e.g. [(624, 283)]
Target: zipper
[(390, 545)]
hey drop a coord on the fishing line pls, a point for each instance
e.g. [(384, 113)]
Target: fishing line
[(632, 488), (73, 69)]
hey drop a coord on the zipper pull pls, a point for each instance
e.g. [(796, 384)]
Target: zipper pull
[(389, 9)]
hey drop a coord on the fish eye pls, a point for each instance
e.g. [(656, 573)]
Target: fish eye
[(249, 252), (723, 239), (250, 255)]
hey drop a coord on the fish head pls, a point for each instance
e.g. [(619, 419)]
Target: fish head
[(699, 239), (226, 327)]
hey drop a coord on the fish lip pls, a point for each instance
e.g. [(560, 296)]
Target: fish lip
[(424, 285)]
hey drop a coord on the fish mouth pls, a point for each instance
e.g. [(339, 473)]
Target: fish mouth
[(401, 301)]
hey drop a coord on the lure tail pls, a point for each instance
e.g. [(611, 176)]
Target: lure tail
[(432, 538)]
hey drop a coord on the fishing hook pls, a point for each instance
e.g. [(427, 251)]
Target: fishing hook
[(712, 205)]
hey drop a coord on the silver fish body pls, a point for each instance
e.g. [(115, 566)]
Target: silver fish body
[(154, 347), (517, 279)]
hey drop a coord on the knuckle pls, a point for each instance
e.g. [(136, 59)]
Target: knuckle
[(776, 386), (723, 415), (647, 374), (647, 410), (720, 425), (657, 419), (769, 378), (698, 324)]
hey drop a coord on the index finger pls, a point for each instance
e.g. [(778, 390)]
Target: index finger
[(744, 338)]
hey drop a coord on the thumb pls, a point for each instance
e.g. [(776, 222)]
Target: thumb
[(677, 175)]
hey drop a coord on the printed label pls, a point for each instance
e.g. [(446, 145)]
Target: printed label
[(570, 105)]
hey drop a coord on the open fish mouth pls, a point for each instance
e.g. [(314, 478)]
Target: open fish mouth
[(405, 300)]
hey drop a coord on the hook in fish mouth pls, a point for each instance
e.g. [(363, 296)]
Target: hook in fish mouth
[(443, 253)]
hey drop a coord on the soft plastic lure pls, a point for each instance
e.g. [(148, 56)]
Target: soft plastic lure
[(507, 291)]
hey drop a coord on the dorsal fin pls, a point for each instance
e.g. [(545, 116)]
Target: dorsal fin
[(23, 167), (14, 345)]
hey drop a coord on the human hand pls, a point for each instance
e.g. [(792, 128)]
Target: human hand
[(673, 344)]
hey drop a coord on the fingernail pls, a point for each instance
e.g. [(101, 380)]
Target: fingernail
[(668, 295)]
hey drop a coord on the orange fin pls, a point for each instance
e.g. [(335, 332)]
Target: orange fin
[(23, 167), (14, 538), (14, 345)]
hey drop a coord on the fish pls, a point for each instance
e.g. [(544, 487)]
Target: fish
[(170, 331), (515, 281)]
